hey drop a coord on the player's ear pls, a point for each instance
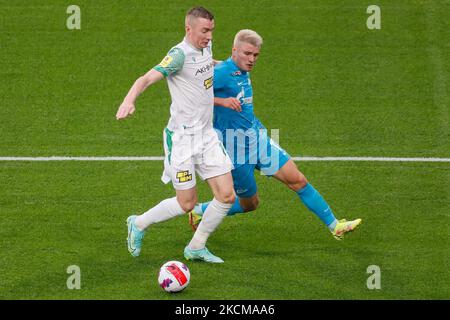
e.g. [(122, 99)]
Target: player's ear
[(234, 52), (187, 24)]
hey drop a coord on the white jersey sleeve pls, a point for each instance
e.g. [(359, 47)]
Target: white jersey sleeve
[(172, 62)]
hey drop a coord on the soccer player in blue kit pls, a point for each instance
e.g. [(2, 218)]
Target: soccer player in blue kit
[(248, 145)]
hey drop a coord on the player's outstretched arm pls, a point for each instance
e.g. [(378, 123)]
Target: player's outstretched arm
[(127, 107), (231, 103)]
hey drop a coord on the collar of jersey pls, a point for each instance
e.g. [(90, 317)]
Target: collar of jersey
[(234, 66), (191, 46)]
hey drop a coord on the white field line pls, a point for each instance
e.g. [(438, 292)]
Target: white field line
[(370, 159)]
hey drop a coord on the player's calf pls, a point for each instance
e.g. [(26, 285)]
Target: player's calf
[(247, 204)]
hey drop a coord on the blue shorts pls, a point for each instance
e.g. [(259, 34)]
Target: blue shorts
[(268, 160)]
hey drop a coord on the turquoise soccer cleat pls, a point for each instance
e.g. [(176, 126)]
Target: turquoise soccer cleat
[(201, 254), (135, 236)]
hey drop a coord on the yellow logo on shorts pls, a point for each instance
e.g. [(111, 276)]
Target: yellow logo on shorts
[(184, 176), (208, 83), (166, 61)]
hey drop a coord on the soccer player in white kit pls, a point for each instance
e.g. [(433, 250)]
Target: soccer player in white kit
[(190, 143)]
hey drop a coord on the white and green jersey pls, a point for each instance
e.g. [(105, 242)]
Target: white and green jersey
[(189, 72)]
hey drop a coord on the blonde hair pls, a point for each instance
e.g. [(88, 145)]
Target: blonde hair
[(248, 36)]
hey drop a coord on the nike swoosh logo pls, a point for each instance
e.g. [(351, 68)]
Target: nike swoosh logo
[(129, 242)]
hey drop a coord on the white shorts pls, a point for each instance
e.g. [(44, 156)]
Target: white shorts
[(186, 154)]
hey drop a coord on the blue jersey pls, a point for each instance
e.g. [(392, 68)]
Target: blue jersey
[(230, 81)]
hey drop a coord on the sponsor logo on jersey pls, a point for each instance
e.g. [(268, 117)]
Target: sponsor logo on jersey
[(246, 100), (184, 176), (243, 99), (204, 69), (208, 83)]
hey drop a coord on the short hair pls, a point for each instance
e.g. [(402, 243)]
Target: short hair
[(248, 36), (198, 12)]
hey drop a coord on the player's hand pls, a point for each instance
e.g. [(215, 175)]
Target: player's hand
[(125, 109), (232, 103)]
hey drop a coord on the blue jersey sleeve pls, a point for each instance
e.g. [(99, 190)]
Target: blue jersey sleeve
[(220, 77)]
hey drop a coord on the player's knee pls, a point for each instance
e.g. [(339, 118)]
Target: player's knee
[(298, 183), (187, 207), (231, 198), (188, 204), (227, 197)]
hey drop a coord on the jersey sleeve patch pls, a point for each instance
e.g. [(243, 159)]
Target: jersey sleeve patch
[(172, 62)]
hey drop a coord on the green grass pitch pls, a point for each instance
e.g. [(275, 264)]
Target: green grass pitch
[(328, 83)]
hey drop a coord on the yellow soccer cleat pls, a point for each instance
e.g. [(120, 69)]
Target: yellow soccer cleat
[(344, 226), (194, 219)]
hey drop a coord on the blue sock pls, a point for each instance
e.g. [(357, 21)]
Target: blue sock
[(314, 202), (236, 208)]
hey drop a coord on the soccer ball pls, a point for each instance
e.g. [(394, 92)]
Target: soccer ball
[(173, 276)]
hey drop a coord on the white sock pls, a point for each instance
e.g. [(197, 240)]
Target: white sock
[(165, 210), (211, 219)]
